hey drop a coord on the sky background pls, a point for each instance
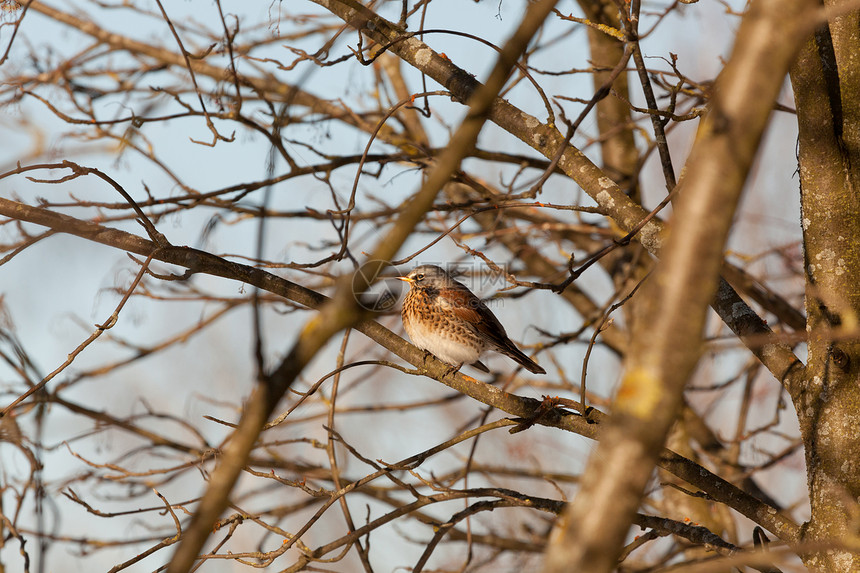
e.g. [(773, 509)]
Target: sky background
[(56, 290)]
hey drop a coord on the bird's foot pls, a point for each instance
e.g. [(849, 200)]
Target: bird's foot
[(452, 369), (427, 354)]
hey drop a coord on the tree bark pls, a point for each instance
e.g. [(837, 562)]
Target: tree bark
[(826, 84)]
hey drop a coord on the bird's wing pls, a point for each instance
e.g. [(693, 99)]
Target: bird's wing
[(467, 306)]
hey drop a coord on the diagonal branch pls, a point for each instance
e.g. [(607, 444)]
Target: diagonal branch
[(667, 336)]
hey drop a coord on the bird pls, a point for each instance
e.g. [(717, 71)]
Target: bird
[(443, 317)]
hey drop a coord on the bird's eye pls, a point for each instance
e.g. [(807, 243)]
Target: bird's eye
[(419, 277)]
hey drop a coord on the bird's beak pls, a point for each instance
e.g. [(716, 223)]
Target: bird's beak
[(404, 279)]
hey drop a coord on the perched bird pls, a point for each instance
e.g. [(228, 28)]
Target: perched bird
[(443, 317)]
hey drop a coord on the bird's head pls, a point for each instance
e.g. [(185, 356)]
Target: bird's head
[(428, 276)]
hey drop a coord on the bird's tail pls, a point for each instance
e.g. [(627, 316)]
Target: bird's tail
[(526, 362)]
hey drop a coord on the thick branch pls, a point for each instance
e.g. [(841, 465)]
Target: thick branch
[(667, 335)]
